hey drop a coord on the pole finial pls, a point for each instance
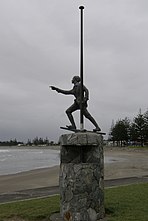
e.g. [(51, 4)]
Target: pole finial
[(81, 7)]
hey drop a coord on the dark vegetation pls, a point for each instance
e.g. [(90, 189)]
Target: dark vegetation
[(35, 142), (134, 133)]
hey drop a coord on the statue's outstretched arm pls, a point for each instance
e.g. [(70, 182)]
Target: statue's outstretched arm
[(61, 91)]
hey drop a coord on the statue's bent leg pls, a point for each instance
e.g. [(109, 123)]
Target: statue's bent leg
[(69, 111), (88, 116)]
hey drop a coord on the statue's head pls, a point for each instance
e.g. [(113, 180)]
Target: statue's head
[(76, 79)]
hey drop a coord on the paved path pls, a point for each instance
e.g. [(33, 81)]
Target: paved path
[(48, 191)]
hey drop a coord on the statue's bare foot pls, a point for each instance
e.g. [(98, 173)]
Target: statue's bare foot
[(97, 129), (71, 127)]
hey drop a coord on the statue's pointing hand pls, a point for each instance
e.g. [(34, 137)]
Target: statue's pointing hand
[(54, 88)]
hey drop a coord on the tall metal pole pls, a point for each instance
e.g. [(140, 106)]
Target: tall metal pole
[(81, 68)]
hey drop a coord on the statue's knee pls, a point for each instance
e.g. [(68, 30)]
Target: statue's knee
[(67, 111)]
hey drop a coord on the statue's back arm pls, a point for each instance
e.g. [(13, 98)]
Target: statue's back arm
[(86, 95)]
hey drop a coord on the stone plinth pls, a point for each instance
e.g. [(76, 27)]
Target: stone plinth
[(82, 177)]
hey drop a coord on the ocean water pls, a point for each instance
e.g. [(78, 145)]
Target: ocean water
[(17, 160), (14, 161)]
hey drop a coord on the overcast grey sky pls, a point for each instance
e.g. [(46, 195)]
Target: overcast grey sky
[(39, 46)]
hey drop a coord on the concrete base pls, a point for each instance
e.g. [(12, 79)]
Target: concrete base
[(82, 177), (57, 217)]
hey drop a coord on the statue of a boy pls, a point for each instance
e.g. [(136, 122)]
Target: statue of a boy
[(76, 91)]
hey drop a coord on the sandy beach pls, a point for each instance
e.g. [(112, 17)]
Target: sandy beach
[(127, 163)]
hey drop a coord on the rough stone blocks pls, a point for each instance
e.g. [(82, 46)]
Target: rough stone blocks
[(82, 177)]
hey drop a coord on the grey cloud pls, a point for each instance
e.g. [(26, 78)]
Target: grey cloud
[(40, 47)]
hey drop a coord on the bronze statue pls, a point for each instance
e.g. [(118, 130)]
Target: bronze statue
[(76, 90)]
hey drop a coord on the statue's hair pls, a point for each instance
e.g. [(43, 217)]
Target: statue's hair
[(77, 78)]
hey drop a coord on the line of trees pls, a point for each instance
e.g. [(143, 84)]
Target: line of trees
[(39, 142), (34, 142), (12, 142), (127, 132)]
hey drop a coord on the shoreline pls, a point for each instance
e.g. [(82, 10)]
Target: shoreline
[(134, 164), (56, 147)]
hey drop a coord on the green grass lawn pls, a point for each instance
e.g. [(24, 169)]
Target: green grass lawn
[(127, 203)]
